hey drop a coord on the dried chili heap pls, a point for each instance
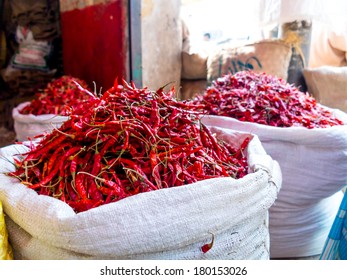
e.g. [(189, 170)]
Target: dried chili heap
[(59, 97), (126, 142), (264, 99)]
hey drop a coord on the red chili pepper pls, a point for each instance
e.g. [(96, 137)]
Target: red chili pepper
[(59, 97), (206, 247), (264, 99), (54, 157), (125, 142), (46, 179), (80, 187)]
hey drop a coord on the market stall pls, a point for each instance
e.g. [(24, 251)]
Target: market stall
[(127, 135)]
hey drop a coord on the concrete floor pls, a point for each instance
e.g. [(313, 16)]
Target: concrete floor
[(7, 137)]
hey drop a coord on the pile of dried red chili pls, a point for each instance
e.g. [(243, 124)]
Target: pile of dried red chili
[(126, 142), (59, 97), (264, 99)]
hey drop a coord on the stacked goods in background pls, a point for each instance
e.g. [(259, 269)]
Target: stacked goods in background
[(258, 56), (33, 51), (162, 185), (278, 57), (328, 85), (306, 138)]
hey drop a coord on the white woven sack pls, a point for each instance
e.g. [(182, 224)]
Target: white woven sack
[(314, 167), (170, 223), (29, 125)]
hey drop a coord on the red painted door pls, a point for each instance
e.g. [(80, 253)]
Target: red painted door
[(95, 40)]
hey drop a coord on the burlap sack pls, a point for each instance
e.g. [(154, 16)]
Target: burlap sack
[(328, 85), (190, 88), (194, 62), (269, 56)]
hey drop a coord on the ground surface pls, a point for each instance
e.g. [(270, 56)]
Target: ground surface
[(7, 137)]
